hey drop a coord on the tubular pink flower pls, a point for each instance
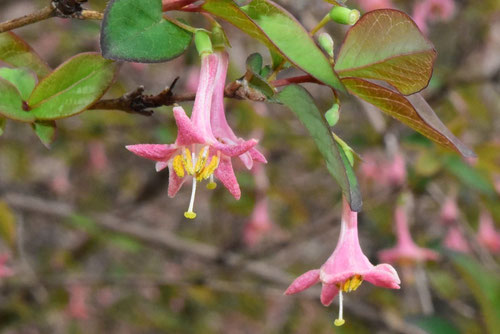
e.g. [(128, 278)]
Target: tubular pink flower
[(346, 268), (369, 5), (405, 251), (449, 211), (455, 241), (396, 170), (432, 11), (221, 129), (196, 151), (487, 235), (5, 271), (258, 224)]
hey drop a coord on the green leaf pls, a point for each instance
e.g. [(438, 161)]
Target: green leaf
[(11, 103), (254, 63), (387, 45), (72, 87), (23, 79), (281, 32), (297, 99), (46, 131), (255, 80), (16, 52), (468, 175), (136, 31), (484, 285), (434, 325), (412, 111), (7, 224)]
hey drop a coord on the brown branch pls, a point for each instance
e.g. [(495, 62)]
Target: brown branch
[(169, 5), (58, 8)]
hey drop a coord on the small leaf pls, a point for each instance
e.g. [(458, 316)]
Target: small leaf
[(297, 99), (11, 103), (16, 52), (7, 224), (254, 63), (23, 79), (387, 45), (136, 31), (255, 80), (46, 131), (280, 31), (418, 115), (72, 87)]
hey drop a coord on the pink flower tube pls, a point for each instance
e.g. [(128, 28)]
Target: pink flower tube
[(487, 235)]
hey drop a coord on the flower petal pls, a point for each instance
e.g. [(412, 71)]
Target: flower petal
[(383, 275), (237, 149), (156, 152), (187, 133), (174, 182), (303, 282), (225, 174), (328, 293), (161, 165), (257, 156)]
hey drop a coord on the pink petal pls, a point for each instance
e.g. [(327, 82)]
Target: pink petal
[(257, 156), (303, 282), (328, 293), (174, 183), (235, 150), (156, 152), (187, 134), (161, 165), (383, 275), (225, 174)]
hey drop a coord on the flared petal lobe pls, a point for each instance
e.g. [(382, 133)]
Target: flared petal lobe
[(303, 282), (328, 293), (155, 152), (225, 174)]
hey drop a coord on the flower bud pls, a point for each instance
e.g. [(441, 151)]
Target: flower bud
[(332, 115), (326, 43), (344, 15), (219, 38), (203, 42)]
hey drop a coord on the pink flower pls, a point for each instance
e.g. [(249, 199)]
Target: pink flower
[(487, 234), (77, 307), (196, 151), (221, 129), (432, 11), (455, 240), (405, 251), (258, 224), (449, 211), (395, 170), (346, 268), (4, 270), (369, 5)]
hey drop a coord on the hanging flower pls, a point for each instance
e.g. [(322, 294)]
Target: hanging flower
[(405, 251), (455, 240), (346, 268), (449, 211), (259, 223), (369, 5), (196, 152), (5, 271), (432, 11), (487, 235)]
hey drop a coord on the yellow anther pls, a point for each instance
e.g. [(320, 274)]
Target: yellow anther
[(190, 215), (178, 167), (339, 322), (355, 282), (210, 168), (202, 160), (188, 161), (211, 185)]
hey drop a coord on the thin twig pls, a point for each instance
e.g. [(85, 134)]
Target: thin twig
[(42, 14)]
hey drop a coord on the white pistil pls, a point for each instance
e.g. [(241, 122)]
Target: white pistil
[(340, 321), (190, 214)]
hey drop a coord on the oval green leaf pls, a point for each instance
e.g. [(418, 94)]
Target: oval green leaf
[(45, 131), (136, 31), (16, 52), (72, 87), (280, 31), (11, 103), (412, 111), (22, 78), (387, 45), (301, 103)]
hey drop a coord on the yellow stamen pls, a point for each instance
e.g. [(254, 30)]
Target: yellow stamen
[(339, 322), (351, 284), (210, 168), (178, 167), (211, 185), (188, 161), (202, 160), (190, 215)]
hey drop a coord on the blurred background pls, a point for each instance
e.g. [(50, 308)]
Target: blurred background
[(91, 243)]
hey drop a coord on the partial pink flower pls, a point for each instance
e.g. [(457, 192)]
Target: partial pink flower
[(259, 223), (197, 152), (346, 268), (449, 211), (77, 307), (405, 251), (5, 271), (98, 159), (487, 235), (395, 170), (369, 5), (432, 11), (455, 240)]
